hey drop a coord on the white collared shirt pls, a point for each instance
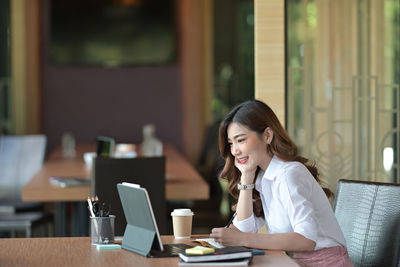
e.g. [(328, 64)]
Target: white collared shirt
[(293, 201)]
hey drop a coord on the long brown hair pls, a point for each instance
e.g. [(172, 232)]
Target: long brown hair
[(257, 116)]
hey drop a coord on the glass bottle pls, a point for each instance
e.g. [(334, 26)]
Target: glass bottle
[(68, 145), (151, 146)]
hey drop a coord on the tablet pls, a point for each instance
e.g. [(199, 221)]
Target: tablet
[(141, 234)]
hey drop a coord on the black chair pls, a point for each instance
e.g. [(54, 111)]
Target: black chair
[(369, 215), (148, 172)]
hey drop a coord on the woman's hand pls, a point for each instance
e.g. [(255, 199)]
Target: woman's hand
[(247, 170), (228, 236)]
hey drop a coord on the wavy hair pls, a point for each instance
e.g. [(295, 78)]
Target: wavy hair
[(257, 116)]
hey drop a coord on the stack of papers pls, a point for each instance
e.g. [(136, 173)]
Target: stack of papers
[(229, 256), (210, 241)]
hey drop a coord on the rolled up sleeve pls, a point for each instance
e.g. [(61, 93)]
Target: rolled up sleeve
[(297, 186), (250, 225)]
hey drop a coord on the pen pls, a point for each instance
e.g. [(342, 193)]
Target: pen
[(96, 227), (90, 207), (231, 220)]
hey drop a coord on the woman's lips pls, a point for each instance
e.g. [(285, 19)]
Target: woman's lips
[(243, 160)]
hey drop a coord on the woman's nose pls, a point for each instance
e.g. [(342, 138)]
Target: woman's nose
[(235, 150)]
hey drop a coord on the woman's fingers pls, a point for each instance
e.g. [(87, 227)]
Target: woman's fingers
[(217, 234)]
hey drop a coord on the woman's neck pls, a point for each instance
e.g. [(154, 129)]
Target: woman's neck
[(266, 161)]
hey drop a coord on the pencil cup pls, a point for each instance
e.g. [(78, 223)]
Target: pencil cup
[(102, 229), (182, 223)]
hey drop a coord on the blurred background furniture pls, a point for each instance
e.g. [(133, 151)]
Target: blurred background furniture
[(182, 182), (369, 216), (25, 222), (148, 172), (20, 158)]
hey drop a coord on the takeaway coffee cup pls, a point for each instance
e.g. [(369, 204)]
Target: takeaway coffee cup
[(182, 223)]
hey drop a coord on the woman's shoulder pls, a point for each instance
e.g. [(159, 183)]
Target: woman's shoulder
[(293, 166), (295, 172)]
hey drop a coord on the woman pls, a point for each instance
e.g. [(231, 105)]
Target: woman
[(277, 187)]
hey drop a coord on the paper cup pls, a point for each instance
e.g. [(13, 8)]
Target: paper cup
[(182, 223)]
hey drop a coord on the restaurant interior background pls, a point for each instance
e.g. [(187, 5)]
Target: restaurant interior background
[(119, 64), (91, 68)]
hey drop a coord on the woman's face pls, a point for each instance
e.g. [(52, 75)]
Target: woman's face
[(248, 147)]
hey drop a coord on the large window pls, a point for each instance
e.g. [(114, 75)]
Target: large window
[(343, 86), (233, 74), (233, 54)]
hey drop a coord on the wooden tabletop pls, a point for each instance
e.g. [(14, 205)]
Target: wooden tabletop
[(183, 182), (78, 251)]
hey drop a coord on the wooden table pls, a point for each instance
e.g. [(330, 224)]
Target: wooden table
[(182, 181), (77, 251)]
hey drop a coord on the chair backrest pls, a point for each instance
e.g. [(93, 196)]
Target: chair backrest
[(21, 156), (369, 216), (149, 172)]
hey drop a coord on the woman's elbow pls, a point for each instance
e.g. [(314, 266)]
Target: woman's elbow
[(310, 245), (306, 244)]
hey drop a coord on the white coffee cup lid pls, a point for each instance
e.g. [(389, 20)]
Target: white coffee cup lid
[(182, 212)]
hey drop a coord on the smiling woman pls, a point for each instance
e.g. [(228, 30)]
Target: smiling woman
[(247, 145), (256, 118), (277, 187)]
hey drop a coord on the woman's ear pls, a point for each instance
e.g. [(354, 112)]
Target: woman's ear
[(268, 135)]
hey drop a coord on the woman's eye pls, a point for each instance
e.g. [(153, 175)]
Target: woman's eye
[(241, 140)]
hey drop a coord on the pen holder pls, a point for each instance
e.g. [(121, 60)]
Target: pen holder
[(102, 229)]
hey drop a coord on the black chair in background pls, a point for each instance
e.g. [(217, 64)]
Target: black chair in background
[(148, 172), (369, 216)]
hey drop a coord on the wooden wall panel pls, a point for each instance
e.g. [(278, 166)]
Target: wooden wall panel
[(25, 67), (270, 54), (18, 66), (196, 66)]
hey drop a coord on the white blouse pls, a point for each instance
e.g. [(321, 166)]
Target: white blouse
[(293, 201)]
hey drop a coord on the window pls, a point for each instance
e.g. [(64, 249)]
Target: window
[(343, 86)]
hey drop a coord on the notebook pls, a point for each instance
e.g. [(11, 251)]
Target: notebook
[(69, 181), (141, 234), (240, 262), (228, 253)]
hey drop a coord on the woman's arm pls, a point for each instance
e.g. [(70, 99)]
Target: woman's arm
[(244, 208), (285, 241)]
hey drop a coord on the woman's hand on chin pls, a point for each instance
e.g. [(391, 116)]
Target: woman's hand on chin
[(248, 172)]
